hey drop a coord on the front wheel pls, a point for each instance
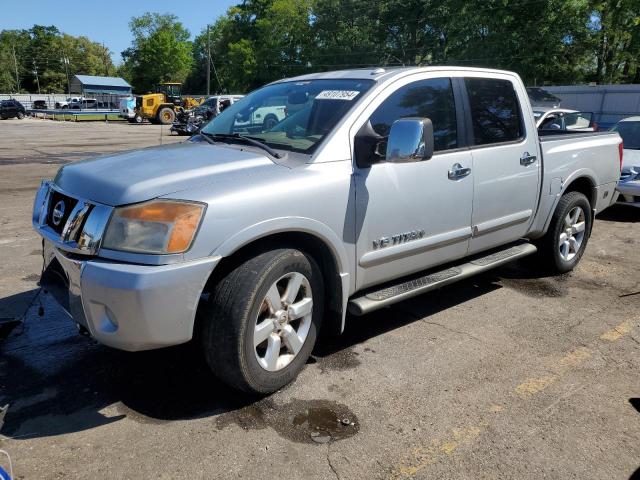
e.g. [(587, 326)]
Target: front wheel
[(564, 243), (261, 321), (166, 116), (269, 122), (20, 115)]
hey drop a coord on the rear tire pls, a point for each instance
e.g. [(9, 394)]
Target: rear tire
[(278, 297), (563, 245)]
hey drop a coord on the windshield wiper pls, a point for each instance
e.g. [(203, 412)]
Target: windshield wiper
[(236, 136)]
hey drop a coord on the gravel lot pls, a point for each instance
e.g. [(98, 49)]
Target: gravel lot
[(509, 375)]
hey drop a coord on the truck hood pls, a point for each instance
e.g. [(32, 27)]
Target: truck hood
[(140, 175)]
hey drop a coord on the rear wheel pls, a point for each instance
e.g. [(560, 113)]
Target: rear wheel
[(262, 320), (166, 116), (564, 243)]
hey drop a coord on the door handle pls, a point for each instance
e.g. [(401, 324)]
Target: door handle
[(527, 159), (458, 171)]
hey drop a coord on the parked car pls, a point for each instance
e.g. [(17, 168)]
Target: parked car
[(539, 97), (64, 104), (12, 109), (387, 184), (564, 119), (83, 103), (127, 110), (39, 105), (263, 117), (629, 184)]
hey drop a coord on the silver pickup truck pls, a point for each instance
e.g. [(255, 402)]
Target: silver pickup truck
[(382, 185)]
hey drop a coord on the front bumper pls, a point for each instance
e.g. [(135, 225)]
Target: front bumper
[(128, 306)]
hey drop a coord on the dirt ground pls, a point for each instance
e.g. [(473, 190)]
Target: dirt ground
[(508, 375)]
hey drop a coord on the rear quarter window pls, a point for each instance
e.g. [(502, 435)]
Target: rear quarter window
[(495, 112)]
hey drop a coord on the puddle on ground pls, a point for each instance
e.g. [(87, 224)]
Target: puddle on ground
[(302, 421)]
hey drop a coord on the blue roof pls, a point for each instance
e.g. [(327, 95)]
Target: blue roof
[(102, 81)]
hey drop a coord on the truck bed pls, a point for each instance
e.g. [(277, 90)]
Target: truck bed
[(569, 155)]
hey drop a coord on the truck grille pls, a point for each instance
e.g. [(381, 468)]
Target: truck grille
[(60, 207), (69, 223)]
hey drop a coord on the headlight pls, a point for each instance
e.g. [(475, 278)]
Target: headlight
[(159, 226)]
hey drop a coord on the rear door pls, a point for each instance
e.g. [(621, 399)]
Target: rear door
[(506, 162)]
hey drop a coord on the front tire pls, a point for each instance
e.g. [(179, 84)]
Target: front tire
[(166, 116), (261, 322), (269, 122), (20, 115), (566, 240)]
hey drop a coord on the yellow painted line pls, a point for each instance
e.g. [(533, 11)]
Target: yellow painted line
[(424, 456), (574, 358), (617, 332), (428, 454), (531, 386)]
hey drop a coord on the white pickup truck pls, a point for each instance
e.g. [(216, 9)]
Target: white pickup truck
[(383, 185)]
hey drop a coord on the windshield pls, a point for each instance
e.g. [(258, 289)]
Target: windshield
[(630, 133), (293, 116)]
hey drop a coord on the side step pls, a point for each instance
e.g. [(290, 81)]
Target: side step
[(373, 300)]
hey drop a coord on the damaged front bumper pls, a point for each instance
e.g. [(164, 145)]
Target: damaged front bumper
[(127, 306)]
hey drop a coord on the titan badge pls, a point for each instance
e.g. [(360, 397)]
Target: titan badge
[(398, 239)]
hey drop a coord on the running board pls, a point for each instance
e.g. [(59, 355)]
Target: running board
[(373, 300)]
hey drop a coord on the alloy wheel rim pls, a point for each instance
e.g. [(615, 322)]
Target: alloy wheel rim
[(572, 234), (283, 321)]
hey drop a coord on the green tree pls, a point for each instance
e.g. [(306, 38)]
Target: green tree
[(616, 27), (161, 51)]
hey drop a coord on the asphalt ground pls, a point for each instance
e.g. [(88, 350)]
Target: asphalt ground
[(508, 375)]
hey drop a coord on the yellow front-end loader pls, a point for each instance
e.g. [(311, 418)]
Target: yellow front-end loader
[(161, 106)]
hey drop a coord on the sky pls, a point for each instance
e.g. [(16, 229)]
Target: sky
[(107, 21)]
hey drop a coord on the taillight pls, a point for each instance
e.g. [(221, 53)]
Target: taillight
[(620, 153)]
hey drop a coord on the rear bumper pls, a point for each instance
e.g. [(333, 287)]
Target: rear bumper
[(629, 193), (125, 306)]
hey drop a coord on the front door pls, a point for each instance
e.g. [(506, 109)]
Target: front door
[(506, 164), (411, 216)]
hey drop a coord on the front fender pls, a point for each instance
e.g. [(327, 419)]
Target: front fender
[(286, 224), (294, 224)]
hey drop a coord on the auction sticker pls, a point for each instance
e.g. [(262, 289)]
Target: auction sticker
[(337, 95)]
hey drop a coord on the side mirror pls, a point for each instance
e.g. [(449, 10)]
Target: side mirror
[(368, 146), (410, 140)]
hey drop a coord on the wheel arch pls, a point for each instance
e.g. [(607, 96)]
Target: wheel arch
[(582, 182), (321, 244)]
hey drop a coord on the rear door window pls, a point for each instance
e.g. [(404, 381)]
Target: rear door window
[(495, 111)]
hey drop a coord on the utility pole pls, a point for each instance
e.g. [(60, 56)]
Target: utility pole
[(208, 63), (65, 60), (15, 64), (35, 71), (104, 59)]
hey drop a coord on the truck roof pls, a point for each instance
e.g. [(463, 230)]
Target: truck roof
[(384, 73)]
